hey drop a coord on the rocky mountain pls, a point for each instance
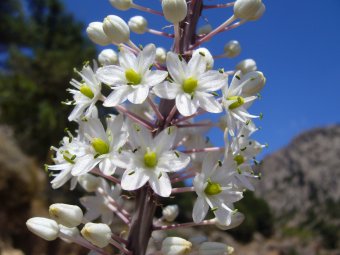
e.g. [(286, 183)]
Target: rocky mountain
[(301, 184)]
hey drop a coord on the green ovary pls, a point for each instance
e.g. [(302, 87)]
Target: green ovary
[(100, 146), (150, 159), (86, 91), (239, 159), (213, 188), (189, 85), (238, 103), (133, 77)]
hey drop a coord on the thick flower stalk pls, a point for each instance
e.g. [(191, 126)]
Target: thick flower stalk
[(138, 134)]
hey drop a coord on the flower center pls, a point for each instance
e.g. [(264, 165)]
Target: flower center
[(150, 159), (238, 103), (239, 159), (213, 188), (189, 85), (100, 146), (133, 77), (86, 91)]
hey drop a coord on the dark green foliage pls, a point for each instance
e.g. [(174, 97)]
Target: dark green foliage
[(258, 218), (47, 44)]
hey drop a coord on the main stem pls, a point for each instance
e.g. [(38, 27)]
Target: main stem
[(146, 200)]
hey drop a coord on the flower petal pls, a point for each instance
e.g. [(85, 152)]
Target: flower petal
[(165, 140), (166, 90), (146, 58), (127, 60), (211, 81), (173, 161), (111, 75), (107, 167), (208, 102), (117, 96), (178, 69), (84, 165), (160, 184), (139, 94), (152, 78), (134, 179), (200, 210), (185, 105), (197, 65)]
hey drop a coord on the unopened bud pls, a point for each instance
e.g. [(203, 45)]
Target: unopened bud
[(203, 30), (160, 55), (254, 82), (175, 246), (108, 57), (116, 29), (232, 49), (174, 10), (247, 65), (170, 213), (98, 234), (214, 248), (67, 215), (122, 5), (205, 53), (89, 182), (249, 9), (43, 227), (138, 24), (96, 33)]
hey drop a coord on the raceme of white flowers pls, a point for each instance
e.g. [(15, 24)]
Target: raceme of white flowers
[(138, 138)]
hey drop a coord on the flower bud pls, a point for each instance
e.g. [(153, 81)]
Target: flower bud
[(204, 30), (160, 55), (68, 234), (205, 53), (175, 246), (98, 234), (67, 215), (249, 9), (116, 29), (232, 49), (43, 227), (174, 10), (89, 182), (122, 5), (96, 33), (138, 24), (254, 82), (170, 212), (214, 248), (108, 57), (247, 65)]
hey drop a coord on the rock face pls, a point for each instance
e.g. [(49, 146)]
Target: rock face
[(301, 182)]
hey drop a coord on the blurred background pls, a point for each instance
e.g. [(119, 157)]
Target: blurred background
[(296, 208)]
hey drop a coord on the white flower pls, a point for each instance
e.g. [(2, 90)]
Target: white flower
[(232, 49), (97, 233), (44, 228), (65, 159), (108, 57), (191, 85), (151, 159), (89, 182), (235, 104), (176, 246), (254, 85), (160, 55), (103, 148), (96, 33), (67, 215), (214, 248), (214, 190), (86, 94), (138, 24), (116, 29), (236, 220), (133, 79), (98, 205), (174, 10), (122, 5)]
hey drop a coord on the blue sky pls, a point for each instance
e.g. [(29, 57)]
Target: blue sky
[(296, 44)]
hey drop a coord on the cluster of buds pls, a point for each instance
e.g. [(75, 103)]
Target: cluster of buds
[(149, 143)]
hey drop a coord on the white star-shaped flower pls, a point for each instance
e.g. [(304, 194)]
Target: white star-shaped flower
[(133, 79), (214, 189), (103, 147), (86, 94), (192, 85), (151, 160)]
